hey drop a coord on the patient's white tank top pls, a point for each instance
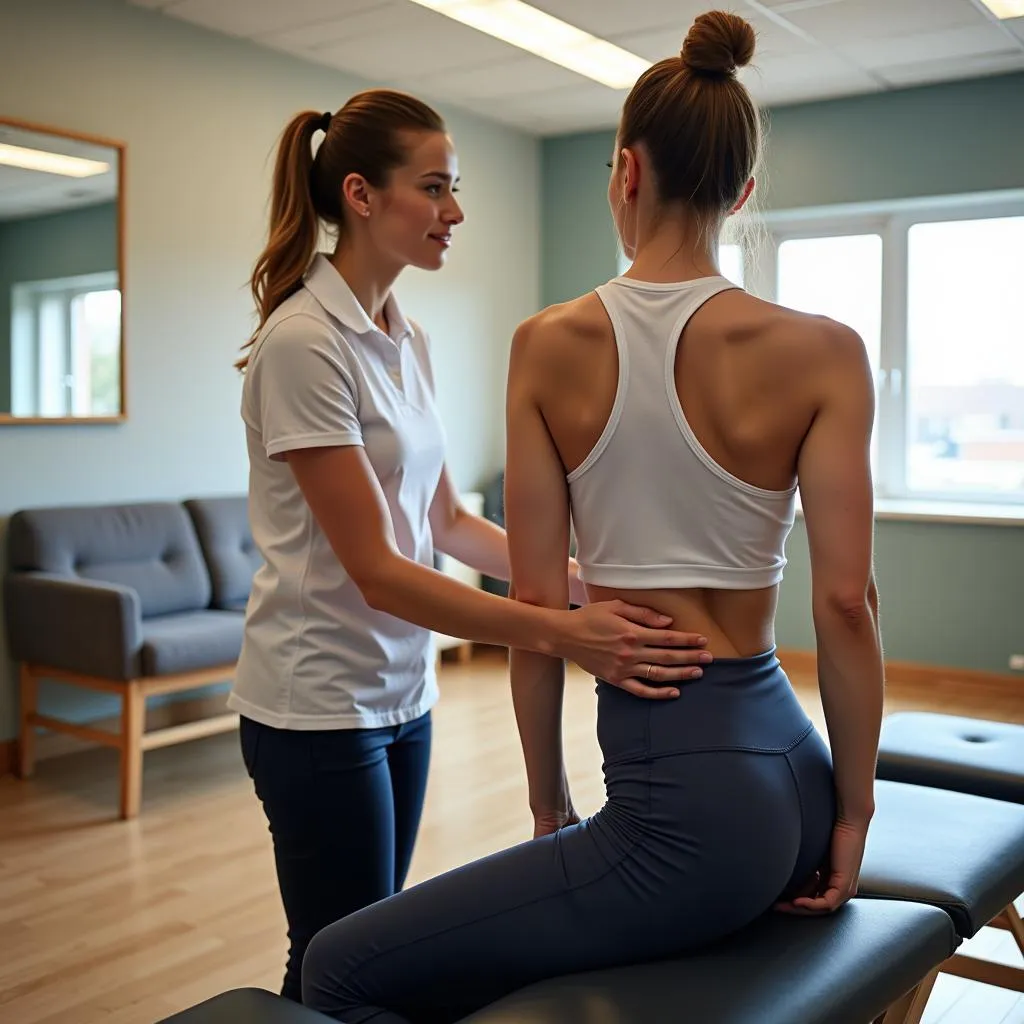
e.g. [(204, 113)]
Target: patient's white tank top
[(651, 509)]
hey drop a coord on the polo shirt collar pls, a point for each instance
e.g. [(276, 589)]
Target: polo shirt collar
[(331, 290)]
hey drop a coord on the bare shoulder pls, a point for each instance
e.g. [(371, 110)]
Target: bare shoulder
[(553, 335), (815, 342)]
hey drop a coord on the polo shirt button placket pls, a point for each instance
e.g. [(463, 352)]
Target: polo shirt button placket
[(395, 369)]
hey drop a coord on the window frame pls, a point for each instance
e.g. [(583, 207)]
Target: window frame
[(892, 221)]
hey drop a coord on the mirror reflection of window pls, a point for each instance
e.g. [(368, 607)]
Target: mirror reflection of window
[(65, 347), (60, 298)]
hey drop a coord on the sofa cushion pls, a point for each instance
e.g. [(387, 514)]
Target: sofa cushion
[(150, 548), (222, 525), (190, 640)]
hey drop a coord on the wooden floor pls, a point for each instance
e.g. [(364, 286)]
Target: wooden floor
[(127, 922)]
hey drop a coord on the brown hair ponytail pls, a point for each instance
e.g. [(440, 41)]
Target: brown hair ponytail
[(362, 138), (294, 224)]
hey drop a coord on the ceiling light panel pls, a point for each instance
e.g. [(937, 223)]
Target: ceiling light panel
[(51, 163), (1005, 9), (545, 36)]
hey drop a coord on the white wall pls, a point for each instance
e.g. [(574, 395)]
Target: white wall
[(200, 114)]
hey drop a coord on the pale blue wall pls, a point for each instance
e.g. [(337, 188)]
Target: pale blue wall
[(953, 594), (200, 114)]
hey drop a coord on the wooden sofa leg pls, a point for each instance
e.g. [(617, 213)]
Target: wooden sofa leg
[(27, 729), (133, 722)]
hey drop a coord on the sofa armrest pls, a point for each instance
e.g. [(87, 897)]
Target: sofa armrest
[(85, 626)]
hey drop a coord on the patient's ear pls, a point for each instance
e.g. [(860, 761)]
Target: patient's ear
[(747, 192)]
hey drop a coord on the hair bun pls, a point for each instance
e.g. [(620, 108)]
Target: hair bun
[(718, 43)]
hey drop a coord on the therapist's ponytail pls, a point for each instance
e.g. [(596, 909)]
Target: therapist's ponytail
[(364, 138)]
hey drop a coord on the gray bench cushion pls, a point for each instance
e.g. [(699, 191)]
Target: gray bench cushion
[(222, 525), (150, 548), (247, 1006), (843, 969), (190, 640), (956, 851), (949, 752)]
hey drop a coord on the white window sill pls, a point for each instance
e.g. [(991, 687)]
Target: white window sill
[(981, 513)]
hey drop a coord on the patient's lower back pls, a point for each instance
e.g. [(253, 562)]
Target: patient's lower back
[(737, 623)]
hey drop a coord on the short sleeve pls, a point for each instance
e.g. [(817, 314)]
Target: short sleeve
[(302, 390)]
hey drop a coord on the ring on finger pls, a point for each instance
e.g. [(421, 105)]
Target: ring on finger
[(647, 674)]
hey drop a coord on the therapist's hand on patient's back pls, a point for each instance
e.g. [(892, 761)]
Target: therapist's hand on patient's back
[(632, 648)]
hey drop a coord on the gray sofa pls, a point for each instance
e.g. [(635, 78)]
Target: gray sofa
[(136, 600)]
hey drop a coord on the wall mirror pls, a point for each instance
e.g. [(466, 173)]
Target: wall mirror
[(61, 276)]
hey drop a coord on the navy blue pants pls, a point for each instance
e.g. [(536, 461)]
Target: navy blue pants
[(718, 803), (343, 807)]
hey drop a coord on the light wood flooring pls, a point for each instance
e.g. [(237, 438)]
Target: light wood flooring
[(127, 922)]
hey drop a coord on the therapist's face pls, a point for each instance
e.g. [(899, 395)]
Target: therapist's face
[(411, 220)]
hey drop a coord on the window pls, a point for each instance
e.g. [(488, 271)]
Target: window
[(965, 357), (65, 347), (730, 262), (934, 290), (839, 277)]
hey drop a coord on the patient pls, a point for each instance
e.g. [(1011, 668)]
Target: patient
[(676, 416)]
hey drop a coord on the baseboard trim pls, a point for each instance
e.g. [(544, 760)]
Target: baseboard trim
[(913, 674), (162, 716)]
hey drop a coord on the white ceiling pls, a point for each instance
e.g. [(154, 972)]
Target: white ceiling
[(25, 193), (807, 49)]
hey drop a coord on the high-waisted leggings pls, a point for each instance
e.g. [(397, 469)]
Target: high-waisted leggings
[(718, 803)]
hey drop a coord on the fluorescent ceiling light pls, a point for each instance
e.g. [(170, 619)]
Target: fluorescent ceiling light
[(51, 163), (545, 36), (1005, 8)]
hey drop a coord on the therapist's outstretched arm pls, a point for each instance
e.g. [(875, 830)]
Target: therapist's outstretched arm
[(613, 640), (479, 543)]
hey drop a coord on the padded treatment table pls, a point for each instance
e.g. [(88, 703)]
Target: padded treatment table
[(969, 755), (247, 1006), (962, 853), (846, 968)]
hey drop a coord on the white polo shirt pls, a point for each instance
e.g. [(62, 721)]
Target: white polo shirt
[(314, 654)]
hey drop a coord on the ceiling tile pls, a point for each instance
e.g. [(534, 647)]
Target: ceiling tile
[(342, 28), (795, 5), (252, 18), (837, 24), (613, 17), (422, 43), (519, 76), (967, 41), (951, 68)]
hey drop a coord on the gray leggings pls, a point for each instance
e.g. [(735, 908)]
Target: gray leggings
[(718, 803)]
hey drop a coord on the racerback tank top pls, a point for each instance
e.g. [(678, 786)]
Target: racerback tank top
[(650, 507)]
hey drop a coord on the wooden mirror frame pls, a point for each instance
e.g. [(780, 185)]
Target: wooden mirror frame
[(7, 419)]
